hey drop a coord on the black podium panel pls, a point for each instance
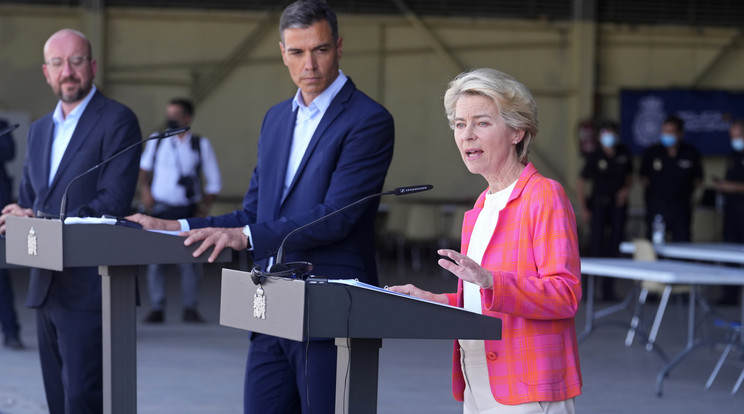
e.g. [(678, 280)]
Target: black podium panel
[(343, 311)]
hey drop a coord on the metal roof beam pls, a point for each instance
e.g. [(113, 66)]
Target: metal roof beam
[(220, 72), (449, 60)]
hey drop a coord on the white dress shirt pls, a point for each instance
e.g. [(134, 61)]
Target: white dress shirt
[(485, 225), (308, 118), (64, 127)]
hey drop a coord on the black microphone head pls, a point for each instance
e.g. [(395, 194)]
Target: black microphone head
[(5, 129), (173, 131), (291, 269), (412, 189)]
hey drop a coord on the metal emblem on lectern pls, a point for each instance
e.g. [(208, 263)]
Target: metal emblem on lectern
[(259, 304), (31, 243)]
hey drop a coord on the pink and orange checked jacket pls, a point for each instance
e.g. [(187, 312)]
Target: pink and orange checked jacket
[(534, 258)]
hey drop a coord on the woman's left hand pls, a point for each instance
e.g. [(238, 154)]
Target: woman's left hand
[(414, 291), (465, 268)]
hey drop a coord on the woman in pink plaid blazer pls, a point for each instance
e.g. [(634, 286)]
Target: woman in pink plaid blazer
[(519, 260)]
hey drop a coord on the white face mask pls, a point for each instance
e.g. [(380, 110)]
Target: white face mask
[(607, 139), (737, 143)]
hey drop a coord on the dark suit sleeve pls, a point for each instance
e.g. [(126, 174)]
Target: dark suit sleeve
[(26, 192), (7, 145), (117, 180)]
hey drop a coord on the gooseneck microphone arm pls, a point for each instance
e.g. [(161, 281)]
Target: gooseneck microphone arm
[(398, 191), (9, 129), (165, 134)]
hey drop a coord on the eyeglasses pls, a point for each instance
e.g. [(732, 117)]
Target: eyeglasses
[(75, 61)]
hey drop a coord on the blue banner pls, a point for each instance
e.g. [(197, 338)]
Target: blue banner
[(707, 114)]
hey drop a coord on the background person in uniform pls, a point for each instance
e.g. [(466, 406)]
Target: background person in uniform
[(609, 168), (732, 188), (328, 146), (171, 171), (8, 316), (670, 172), (519, 258), (84, 129)]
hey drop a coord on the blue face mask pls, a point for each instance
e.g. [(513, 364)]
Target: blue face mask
[(607, 139), (737, 144), (668, 140)]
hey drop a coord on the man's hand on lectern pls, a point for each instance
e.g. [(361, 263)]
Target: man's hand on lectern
[(220, 238), (14, 210)]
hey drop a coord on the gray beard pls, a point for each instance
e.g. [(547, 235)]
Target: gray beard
[(81, 93)]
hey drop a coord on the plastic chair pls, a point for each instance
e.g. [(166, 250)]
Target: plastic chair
[(395, 227), (422, 229), (644, 251), (736, 332), (451, 237)]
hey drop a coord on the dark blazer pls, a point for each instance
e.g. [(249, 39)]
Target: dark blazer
[(105, 127), (7, 153), (346, 159)]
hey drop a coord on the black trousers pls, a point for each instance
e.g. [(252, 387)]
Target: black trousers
[(8, 317)]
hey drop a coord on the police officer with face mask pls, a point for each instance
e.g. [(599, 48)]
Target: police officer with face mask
[(609, 168), (671, 170)]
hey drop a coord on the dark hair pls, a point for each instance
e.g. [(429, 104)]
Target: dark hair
[(607, 124), (304, 13), (676, 121), (185, 104)]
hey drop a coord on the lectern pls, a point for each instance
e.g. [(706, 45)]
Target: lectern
[(117, 251), (3, 263), (358, 315)]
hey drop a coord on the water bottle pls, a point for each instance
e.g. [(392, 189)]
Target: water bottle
[(659, 229)]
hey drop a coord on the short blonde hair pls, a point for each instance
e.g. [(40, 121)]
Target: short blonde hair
[(514, 101)]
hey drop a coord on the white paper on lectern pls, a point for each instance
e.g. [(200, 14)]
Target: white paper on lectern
[(112, 221), (356, 283), (90, 220)]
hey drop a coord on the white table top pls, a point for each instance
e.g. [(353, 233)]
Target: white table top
[(712, 252), (663, 271)]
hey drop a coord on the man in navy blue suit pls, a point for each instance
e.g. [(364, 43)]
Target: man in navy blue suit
[(84, 129), (325, 148)]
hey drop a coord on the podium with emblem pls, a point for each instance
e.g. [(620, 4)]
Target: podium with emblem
[(117, 252), (357, 315)]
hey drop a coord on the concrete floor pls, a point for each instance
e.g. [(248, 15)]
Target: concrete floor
[(186, 369)]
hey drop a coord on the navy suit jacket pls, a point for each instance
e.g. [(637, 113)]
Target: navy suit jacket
[(104, 128), (347, 158)]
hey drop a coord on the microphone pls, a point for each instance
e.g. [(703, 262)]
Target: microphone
[(9, 129), (292, 269), (165, 134)]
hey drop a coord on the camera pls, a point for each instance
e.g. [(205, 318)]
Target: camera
[(187, 182)]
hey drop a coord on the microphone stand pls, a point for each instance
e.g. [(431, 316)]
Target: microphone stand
[(165, 134), (293, 269)]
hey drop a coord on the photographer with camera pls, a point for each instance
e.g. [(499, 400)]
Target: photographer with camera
[(171, 187)]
